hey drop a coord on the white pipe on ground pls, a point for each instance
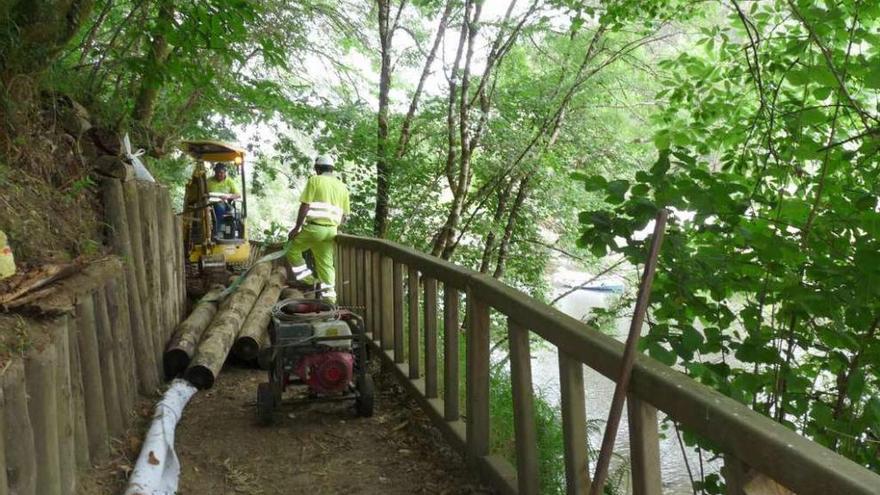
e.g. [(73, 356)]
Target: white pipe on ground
[(157, 469)]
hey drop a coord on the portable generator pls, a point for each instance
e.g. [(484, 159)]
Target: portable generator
[(320, 346)]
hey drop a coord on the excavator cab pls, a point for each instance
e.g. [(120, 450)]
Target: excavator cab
[(215, 239)]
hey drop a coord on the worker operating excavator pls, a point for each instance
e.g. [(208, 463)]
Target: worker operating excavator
[(324, 205), (223, 187)]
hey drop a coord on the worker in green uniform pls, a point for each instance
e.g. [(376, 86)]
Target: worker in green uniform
[(223, 187), (324, 205)]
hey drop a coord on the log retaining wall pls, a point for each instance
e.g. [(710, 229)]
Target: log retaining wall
[(95, 345)]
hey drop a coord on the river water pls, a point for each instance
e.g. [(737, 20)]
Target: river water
[(599, 390)]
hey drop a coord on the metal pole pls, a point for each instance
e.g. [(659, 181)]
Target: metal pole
[(629, 356)]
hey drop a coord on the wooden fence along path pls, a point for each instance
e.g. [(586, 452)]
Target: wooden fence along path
[(758, 452), (100, 346)]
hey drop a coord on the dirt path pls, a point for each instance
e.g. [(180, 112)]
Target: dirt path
[(315, 449)]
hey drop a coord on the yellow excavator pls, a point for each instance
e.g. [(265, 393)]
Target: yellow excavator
[(215, 225)]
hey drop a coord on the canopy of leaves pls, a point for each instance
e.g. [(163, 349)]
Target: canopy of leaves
[(768, 157)]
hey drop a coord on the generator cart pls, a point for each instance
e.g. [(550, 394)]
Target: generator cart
[(320, 347)]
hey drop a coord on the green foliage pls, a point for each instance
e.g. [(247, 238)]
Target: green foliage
[(200, 69), (548, 423), (758, 130), (15, 340), (768, 282), (80, 185), (549, 428), (275, 233)]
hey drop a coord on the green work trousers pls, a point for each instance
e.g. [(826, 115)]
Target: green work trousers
[(318, 239)]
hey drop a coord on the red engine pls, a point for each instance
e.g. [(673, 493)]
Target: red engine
[(326, 372)]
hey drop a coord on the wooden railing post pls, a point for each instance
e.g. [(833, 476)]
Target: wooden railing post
[(340, 275), (523, 409), (477, 377), (413, 293), (337, 264), (387, 299), (358, 274), (574, 425), (379, 333), (734, 472), (450, 353), (399, 354), (430, 338), (644, 447), (352, 301), (368, 294)]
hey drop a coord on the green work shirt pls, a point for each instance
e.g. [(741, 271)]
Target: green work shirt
[(327, 198), (226, 185)]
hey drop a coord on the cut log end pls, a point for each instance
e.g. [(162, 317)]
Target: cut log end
[(174, 361), (200, 376), (246, 348)]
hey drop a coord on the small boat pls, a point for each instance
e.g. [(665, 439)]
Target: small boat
[(615, 287)]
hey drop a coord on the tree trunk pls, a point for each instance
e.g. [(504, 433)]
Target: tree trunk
[(465, 149), (405, 129), (551, 125), (383, 172), (521, 195), (186, 338), (444, 241), (489, 243), (93, 31), (18, 432), (151, 79), (254, 332), (441, 238), (220, 336)]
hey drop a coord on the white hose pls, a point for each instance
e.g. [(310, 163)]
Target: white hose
[(157, 469)]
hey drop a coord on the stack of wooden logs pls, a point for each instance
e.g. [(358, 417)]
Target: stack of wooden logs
[(239, 323)]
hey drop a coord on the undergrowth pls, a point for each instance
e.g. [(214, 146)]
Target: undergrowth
[(48, 223), (48, 200), (551, 462), (551, 451)]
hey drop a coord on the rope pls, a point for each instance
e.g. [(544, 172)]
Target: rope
[(234, 285), (282, 311)]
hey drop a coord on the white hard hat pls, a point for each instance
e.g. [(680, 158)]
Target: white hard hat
[(324, 160)]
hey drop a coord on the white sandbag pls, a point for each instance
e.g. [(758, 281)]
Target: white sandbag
[(140, 171), (157, 470)]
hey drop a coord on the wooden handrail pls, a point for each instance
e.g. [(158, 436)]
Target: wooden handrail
[(751, 438)]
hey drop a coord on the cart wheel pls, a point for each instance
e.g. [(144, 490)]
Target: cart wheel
[(364, 402), (265, 404)]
